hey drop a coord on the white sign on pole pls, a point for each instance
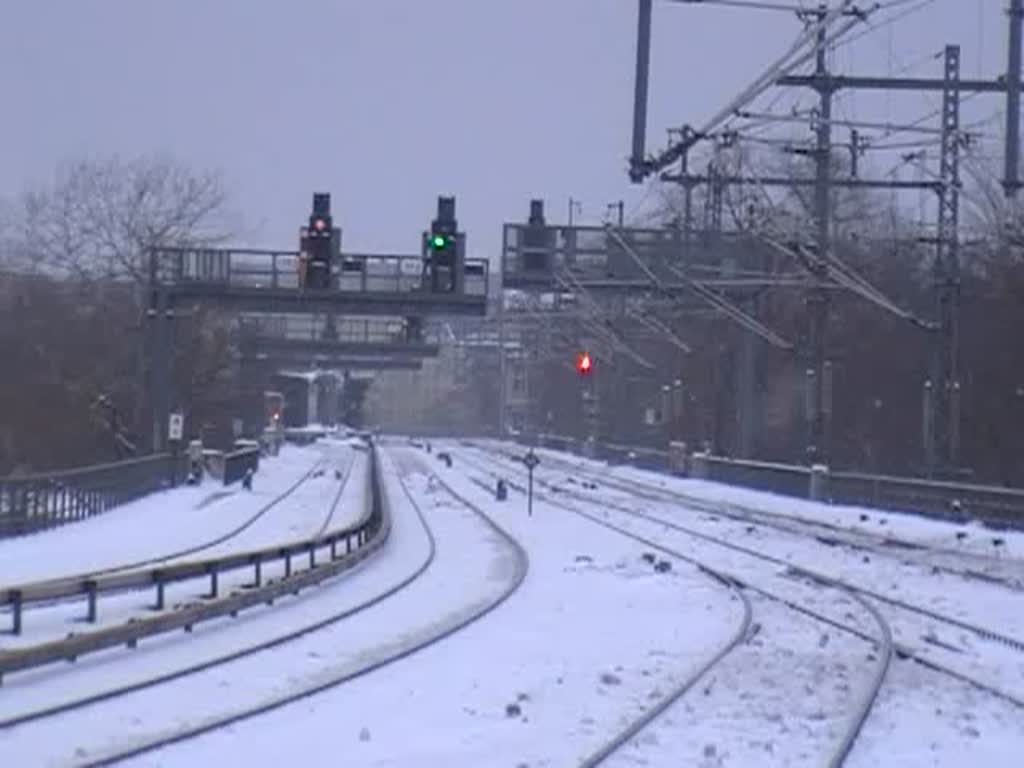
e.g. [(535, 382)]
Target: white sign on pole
[(176, 426)]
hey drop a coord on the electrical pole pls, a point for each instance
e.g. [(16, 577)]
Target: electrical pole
[(818, 301), (1011, 179), (945, 389)]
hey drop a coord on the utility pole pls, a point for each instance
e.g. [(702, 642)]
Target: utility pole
[(1011, 177), (943, 451), (818, 300)]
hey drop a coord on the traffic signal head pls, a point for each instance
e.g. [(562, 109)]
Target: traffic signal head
[(321, 204), (584, 365), (442, 243)]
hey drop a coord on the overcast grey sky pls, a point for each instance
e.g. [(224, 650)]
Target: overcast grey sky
[(388, 103)]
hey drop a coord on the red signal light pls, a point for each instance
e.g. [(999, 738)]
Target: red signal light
[(584, 364), (319, 225)]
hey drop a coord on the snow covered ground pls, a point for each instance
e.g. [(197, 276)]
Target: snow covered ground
[(592, 638), (756, 553)]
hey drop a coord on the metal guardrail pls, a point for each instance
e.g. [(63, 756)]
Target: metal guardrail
[(997, 507), (359, 541), (45, 500), (959, 502)]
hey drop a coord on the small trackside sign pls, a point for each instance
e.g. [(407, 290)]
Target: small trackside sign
[(176, 426)]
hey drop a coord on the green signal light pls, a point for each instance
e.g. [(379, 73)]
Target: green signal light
[(439, 241)]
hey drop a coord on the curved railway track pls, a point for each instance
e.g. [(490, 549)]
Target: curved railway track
[(982, 632), (521, 560), (901, 650), (883, 640), (122, 690), (522, 565)]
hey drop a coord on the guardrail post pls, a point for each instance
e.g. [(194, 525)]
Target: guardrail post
[(213, 582), (15, 611), (819, 483), (287, 565), (90, 591), (312, 556), (259, 573), (334, 549), (159, 592), (348, 545)]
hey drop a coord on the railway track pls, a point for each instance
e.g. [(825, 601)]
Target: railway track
[(881, 640), (132, 622), (47, 597), (84, 702), (46, 717), (985, 633), (921, 654)]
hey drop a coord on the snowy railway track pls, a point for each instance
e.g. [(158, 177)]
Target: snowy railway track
[(109, 694), (44, 716), (883, 640), (917, 654), (984, 633), (185, 615), (957, 562)]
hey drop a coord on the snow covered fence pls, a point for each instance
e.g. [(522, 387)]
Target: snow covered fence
[(40, 501)]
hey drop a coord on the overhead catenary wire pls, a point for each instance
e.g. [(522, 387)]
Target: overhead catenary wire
[(888, 21), (718, 302), (839, 271)]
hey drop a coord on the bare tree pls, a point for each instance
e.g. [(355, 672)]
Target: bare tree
[(80, 332), (98, 217)]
